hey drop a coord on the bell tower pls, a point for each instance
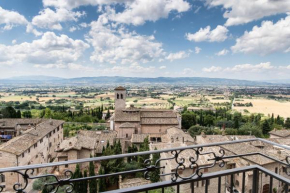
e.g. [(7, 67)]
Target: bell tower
[(120, 98)]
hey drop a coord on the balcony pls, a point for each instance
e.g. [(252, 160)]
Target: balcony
[(179, 168)]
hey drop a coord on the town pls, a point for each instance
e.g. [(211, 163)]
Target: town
[(38, 128)]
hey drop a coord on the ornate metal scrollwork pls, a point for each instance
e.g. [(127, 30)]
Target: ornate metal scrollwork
[(287, 170)]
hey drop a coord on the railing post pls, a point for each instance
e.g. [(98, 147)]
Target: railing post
[(255, 181)]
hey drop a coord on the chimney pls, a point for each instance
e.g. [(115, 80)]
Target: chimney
[(50, 122)]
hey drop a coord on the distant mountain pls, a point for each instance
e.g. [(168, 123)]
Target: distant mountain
[(39, 78), (117, 80), (279, 81)]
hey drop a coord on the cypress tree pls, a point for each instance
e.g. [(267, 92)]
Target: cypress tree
[(93, 182), (266, 127), (85, 183), (102, 181), (154, 176), (77, 174)]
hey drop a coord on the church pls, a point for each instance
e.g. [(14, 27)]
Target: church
[(138, 121)]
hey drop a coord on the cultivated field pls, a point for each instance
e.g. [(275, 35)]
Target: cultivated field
[(267, 107)]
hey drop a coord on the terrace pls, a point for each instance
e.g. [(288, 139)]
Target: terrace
[(197, 178)]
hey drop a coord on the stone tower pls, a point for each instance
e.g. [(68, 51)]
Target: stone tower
[(120, 98)]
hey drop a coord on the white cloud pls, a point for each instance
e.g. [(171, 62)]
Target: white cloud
[(219, 34), (250, 67), (268, 38), (212, 69), (114, 44), (178, 55), (72, 29), (222, 52), (197, 50), (14, 41), (244, 11), (162, 67), (138, 11), (132, 69), (188, 72), (11, 19), (135, 12), (51, 19), (31, 29), (49, 49)]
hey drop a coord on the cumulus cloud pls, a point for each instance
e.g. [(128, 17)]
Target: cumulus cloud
[(244, 11), (51, 19), (11, 19), (212, 69), (269, 38), (250, 67), (178, 55), (197, 50), (187, 72), (222, 52), (162, 67), (49, 49), (219, 34), (138, 11), (114, 44)]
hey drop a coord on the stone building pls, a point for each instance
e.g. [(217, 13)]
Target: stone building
[(252, 147), (10, 128), (35, 145), (85, 144), (129, 121), (284, 133)]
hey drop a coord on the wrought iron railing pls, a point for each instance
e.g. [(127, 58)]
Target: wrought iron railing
[(256, 175)]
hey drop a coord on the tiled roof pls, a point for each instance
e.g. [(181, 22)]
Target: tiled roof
[(78, 142), (159, 121), (14, 122), (19, 144), (120, 88), (280, 133), (138, 138), (159, 114), (127, 125), (127, 117)]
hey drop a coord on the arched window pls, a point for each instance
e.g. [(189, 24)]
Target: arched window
[(121, 96), (117, 96)]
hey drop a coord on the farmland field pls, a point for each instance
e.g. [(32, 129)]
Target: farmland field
[(266, 107)]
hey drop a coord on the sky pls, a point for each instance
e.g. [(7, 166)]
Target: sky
[(240, 39)]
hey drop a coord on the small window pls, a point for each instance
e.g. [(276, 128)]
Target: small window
[(35, 145), (22, 154), (28, 150), (126, 135), (41, 140), (276, 170), (50, 144), (53, 131), (121, 96), (117, 96), (58, 129)]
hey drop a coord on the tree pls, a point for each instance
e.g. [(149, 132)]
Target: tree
[(108, 115), (77, 174), (266, 127), (144, 147), (287, 123), (188, 120), (27, 114), (85, 183), (9, 112), (102, 181), (18, 114), (154, 176), (92, 182)]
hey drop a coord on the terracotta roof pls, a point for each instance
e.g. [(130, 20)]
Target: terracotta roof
[(78, 142), (127, 125), (160, 114), (101, 137), (127, 117), (159, 121), (120, 88), (19, 144), (14, 122), (138, 138), (280, 133)]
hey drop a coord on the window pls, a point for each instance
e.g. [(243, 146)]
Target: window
[(28, 150), (53, 131), (117, 96), (41, 140), (126, 135), (2, 178), (58, 129), (50, 144), (35, 145), (22, 154), (276, 170), (121, 96)]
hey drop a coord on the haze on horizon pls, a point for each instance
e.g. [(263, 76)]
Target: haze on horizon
[(245, 39)]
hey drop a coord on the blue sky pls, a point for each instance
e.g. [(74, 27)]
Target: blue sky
[(240, 39)]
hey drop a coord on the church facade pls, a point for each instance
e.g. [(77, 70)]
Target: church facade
[(132, 120)]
